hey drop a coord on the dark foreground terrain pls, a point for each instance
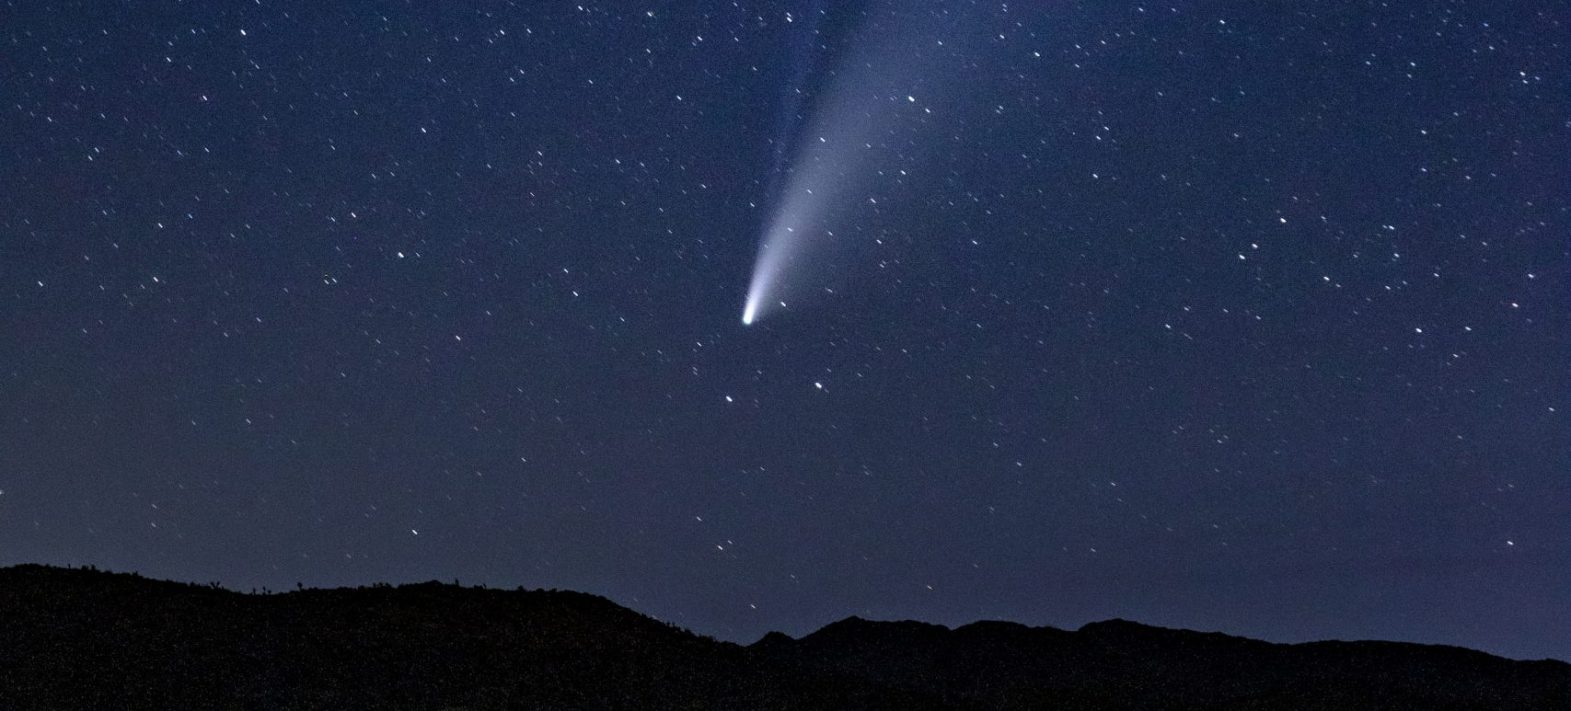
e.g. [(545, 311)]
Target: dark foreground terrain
[(79, 639)]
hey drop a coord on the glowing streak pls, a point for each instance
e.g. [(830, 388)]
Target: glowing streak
[(842, 152), (767, 265), (816, 186), (792, 233), (765, 271)]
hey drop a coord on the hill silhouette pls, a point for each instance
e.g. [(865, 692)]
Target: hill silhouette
[(78, 639)]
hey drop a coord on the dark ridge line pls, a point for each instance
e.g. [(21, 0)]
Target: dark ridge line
[(851, 620)]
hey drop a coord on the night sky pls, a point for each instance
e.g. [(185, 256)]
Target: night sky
[(1233, 316)]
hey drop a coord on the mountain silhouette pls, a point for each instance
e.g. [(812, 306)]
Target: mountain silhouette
[(84, 639)]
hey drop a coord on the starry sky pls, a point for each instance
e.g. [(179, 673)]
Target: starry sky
[(1221, 315)]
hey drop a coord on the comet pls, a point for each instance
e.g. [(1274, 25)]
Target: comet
[(857, 129)]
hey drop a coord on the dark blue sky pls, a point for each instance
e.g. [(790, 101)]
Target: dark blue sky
[(1218, 315)]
